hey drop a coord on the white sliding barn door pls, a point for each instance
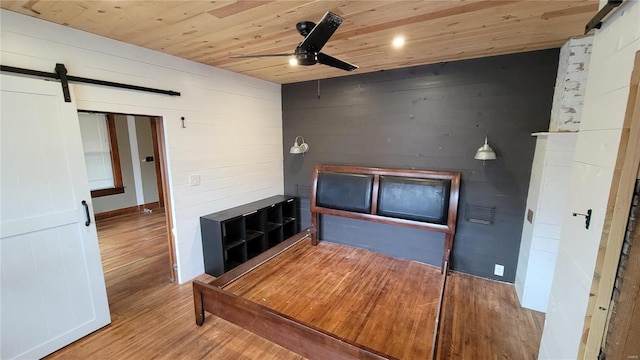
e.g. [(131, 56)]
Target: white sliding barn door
[(52, 284)]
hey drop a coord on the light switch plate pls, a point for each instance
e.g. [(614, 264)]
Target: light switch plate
[(194, 180)]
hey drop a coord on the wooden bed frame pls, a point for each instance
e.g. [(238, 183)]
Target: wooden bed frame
[(328, 190)]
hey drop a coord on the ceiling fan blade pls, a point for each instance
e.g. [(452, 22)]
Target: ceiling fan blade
[(337, 63), (321, 33), (259, 55)]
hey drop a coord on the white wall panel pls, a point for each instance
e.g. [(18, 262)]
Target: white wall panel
[(542, 263), (559, 157), (537, 299), (554, 345), (546, 245), (614, 48), (598, 147), (609, 105), (547, 230), (548, 216), (233, 134), (547, 198)]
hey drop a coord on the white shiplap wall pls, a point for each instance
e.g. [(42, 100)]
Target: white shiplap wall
[(614, 48), (548, 192), (233, 134)]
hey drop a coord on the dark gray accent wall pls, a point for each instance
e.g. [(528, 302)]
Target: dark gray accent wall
[(430, 117)]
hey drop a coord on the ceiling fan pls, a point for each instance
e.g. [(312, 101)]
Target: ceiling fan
[(316, 36)]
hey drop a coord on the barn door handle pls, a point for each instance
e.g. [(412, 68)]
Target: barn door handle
[(587, 218), (86, 212)]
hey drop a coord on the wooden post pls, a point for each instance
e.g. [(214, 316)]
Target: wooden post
[(198, 305), (448, 245), (315, 228)]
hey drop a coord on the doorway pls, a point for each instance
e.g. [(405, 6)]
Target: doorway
[(126, 166)]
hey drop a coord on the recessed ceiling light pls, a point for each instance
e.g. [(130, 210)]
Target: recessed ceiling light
[(293, 61), (398, 41)]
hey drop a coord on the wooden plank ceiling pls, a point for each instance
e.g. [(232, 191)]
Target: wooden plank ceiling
[(210, 31)]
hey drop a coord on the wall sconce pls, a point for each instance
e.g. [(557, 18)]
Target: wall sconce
[(299, 149), (485, 152)]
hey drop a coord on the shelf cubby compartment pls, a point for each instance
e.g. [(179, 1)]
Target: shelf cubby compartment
[(274, 237), (235, 255), (253, 235), (254, 223), (289, 208), (289, 228), (256, 243), (270, 226), (289, 218), (232, 243), (254, 248), (254, 220), (274, 214), (232, 231)]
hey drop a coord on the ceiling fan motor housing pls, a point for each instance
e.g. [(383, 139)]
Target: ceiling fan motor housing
[(304, 27), (305, 57)]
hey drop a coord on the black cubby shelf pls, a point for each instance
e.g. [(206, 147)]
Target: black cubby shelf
[(253, 234), (231, 244), (231, 237), (270, 226)]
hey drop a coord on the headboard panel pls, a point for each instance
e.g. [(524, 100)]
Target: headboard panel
[(425, 200), (342, 191), (413, 198)]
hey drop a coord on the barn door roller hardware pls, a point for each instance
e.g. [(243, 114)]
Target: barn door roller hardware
[(596, 21), (61, 74)]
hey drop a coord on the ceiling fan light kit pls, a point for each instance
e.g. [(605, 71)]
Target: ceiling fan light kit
[(308, 53)]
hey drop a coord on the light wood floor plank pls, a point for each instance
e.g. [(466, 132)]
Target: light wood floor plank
[(153, 318), (374, 300)]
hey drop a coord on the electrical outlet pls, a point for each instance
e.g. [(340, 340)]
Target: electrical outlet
[(194, 180), (498, 270)]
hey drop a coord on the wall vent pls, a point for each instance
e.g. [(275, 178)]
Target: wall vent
[(480, 214)]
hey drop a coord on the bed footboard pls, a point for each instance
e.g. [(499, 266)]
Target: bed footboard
[(276, 327)]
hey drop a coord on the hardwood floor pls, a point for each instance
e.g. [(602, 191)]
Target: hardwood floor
[(482, 319), (153, 318), (377, 301)]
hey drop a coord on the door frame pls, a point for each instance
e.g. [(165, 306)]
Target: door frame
[(162, 176), (620, 196), (156, 154), (157, 131), (622, 326)]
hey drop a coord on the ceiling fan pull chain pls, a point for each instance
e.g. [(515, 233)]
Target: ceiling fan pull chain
[(318, 89)]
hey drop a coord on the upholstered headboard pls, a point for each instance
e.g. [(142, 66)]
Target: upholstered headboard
[(414, 198)]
